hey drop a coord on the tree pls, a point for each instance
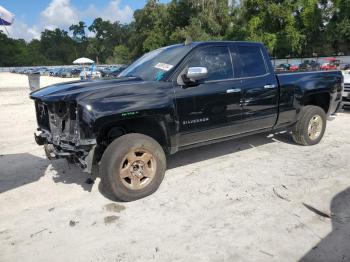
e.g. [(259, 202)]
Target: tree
[(311, 20), (151, 28), (203, 20), (120, 55), (11, 51), (286, 27), (57, 46), (78, 31), (95, 49), (107, 36), (338, 28), (273, 23), (19, 53)]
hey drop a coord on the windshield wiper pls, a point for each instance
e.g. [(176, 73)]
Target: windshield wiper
[(135, 76)]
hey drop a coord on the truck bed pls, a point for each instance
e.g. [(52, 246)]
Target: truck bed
[(295, 86)]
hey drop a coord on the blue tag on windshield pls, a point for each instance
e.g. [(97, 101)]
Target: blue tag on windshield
[(159, 76)]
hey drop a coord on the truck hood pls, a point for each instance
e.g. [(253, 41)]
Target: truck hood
[(80, 89)]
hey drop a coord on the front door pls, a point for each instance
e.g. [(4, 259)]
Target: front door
[(209, 111)]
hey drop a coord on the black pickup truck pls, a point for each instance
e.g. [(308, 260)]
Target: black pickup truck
[(174, 98)]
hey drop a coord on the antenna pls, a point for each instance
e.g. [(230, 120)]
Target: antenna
[(188, 40)]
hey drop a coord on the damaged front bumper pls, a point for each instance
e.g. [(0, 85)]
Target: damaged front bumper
[(63, 135), (81, 154)]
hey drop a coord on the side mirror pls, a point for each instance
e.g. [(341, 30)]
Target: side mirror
[(197, 73), (192, 77)]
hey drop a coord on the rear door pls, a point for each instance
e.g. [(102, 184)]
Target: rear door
[(259, 86)]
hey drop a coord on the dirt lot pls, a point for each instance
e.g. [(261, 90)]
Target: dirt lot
[(261, 198)]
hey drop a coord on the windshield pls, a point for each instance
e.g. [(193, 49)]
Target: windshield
[(155, 65)]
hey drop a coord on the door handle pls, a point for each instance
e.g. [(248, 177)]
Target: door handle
[(235, 90), (269, 86)]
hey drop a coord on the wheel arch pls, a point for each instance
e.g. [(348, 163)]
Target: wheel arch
[(108, 129), (322, 100)]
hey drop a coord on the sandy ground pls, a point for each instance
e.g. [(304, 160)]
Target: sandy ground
[(261, 198)]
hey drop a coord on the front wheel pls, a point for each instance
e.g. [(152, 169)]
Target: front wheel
[(133, 167), (310, 128)]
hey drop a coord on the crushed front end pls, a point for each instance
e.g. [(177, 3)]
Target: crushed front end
[(63, 134)]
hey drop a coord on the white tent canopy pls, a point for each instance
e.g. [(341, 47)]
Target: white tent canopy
[(6, 17), (83, 60)]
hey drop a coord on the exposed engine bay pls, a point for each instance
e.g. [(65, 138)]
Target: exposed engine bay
[(62, 134)]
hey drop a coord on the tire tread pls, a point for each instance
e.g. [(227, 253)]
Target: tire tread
[(300, 128), (114, 151)]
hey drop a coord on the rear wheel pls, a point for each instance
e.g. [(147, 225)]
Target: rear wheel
[(310, 129), (133, 167)]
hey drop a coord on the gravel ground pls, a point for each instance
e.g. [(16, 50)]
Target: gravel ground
[(260, 198)]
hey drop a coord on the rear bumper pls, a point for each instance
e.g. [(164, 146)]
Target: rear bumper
[(339, 107), (336, 103), (346, 98)]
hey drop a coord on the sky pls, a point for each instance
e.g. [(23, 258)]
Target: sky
[(33, 16)]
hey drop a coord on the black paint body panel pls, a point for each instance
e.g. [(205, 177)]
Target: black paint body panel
[(201, 114)]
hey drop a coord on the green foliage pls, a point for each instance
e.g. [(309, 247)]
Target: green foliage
[(78, 31), (274, 24), (339, 26), (57, 46), (11, 51), (286, 27), (120, 55)]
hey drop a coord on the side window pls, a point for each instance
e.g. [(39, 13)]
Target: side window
[(216, 59), (251, 61)]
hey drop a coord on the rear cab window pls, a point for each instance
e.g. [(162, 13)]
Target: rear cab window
[(248, 61)]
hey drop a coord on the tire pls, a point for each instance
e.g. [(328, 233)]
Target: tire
[(300, 131), (132, 167)]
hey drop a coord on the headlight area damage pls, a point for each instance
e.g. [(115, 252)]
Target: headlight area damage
[(63, 135)]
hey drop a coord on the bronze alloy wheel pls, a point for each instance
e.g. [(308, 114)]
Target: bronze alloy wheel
[(311, 126), (138, 169), (315, 127), (132, 167)]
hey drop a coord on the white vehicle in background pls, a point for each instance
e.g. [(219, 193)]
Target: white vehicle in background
[(346, 92), (88, 74)]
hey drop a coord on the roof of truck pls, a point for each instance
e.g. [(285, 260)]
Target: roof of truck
[(199, 43), (225, 42)]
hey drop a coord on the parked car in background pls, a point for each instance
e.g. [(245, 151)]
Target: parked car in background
[(116, 72), (65, 73), (294, 68), (331, 64), (328, 66), (75, 72), (90, 74), (308, 65), (105, 71), (58, 72), (28, 71), (55, 71), (345, 67), (282, 67), (52, 71), (346, 93), (42, 71)]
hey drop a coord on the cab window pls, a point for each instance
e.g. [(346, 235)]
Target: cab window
[(216, 59), (249, 61)]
